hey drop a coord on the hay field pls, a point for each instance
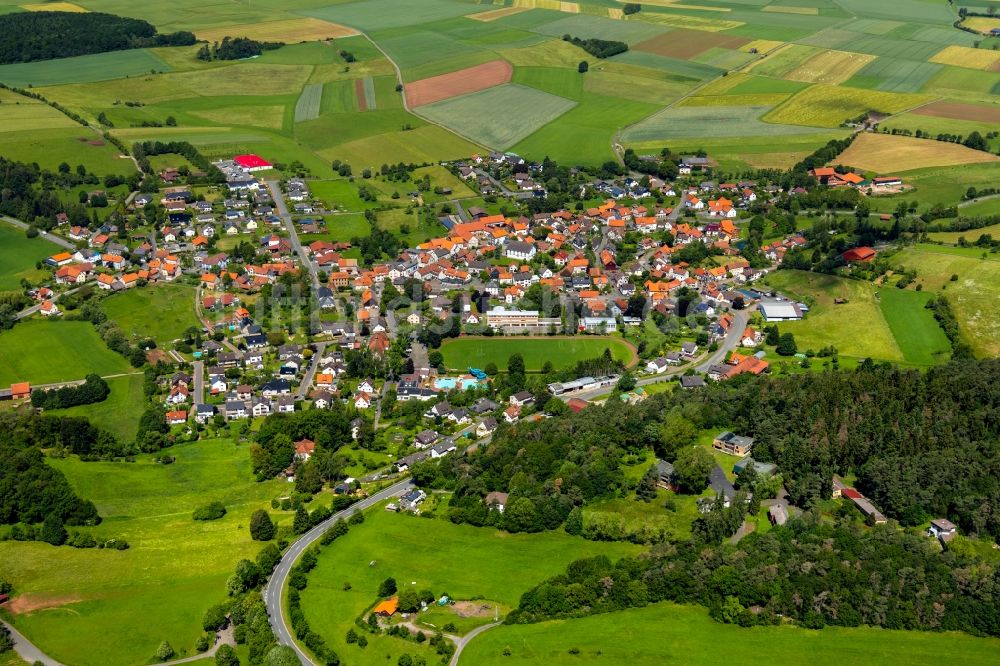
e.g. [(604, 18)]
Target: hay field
[(805, 11), (685, 21), (830, 106), (54, 7), (981, 24), (17, 116), (288, 30), (494, 14), (830, 67), (884, 153), (271, 117), (307, 106), (963, 56)]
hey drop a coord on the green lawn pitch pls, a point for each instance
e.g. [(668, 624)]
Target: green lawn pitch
[(162, 312), (41, 352), (477, 352), (129, 601), (668, 633), (462, 561)]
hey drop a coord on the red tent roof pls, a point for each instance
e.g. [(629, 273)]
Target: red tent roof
[(251, 161)]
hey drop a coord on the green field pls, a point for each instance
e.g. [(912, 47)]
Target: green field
[(709, 122), (970, 234), (41, 352), (129, 601), (895, 75), (667, 633), (475, 116), (162, 312), (120, 413), (307, 107), (82, 69), (972, 296), (18, 255), (916, 331), (856, 328), (461, 353), (462, 561)]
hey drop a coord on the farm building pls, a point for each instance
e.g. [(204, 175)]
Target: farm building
[(858, 255), (780, 310), (387, 607), (252, 163)]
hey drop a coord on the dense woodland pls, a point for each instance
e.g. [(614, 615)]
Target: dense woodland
[(29, 36), (922, 444), (599, 48), (236, 48), (809, 571)]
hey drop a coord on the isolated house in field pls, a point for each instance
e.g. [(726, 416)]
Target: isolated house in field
[(859, 255), (733, 444)]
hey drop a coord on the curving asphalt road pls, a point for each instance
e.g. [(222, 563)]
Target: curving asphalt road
[(464, 640), (276, 583)]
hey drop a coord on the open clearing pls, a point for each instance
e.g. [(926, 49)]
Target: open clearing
[(463, 561), (972, 296), (121, 412), (129, 601), (41, 352), (461, 82), (657, 634), (562, 352), (162, 312), (830, 106), (918, 334), (970, 235), (476, 116), (856, 328), (887, 153), (18, 255), (288, 31)]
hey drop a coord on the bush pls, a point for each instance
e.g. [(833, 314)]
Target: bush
[(202, 644), (210, 511), (215, 617), (164, 652), (226, 656)]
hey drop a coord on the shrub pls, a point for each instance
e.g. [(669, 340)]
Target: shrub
[(210, 511), (215, 617), (164, 652)]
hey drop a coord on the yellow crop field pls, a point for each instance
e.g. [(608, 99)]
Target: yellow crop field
[(981, 24), (54, 7), (830, 67), (885, 153), (762, 45), (810, 11), (682, 21), (830, 106), (494, 14), (553, 53), (289, 30), (568, 7), (963, 56), (749, 99)]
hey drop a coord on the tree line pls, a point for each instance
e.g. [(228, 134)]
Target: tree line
[(236, 48), (31, 36), (93, 389)]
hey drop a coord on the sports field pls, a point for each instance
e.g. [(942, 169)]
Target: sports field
[(129, 601), (463, 561), (477, 116), (657, 634), (477, 352), (972, 295), (41, 351), (856, 328), (18, 255), (162, 312), (884, 153)]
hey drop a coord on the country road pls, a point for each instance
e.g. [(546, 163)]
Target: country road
[(276, 583), (52, 238), (293, 236)]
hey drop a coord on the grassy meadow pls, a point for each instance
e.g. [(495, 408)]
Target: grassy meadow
[(41, 351), (162, 312), (661, 633), (464, 352), (18, 255), (462, 561), (121, 412), (129, 601)]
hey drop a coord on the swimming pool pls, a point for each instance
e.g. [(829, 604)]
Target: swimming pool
[(449, 383)]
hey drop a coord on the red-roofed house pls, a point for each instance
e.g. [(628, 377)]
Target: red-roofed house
[(862, 254)]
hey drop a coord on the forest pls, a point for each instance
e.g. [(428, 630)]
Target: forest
[(811, 571), (236, 48), (31, 490), (599, 48), (30, 36), (922, 444)]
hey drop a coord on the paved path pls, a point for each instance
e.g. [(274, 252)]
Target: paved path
[(276, 583), (27, 650), (311, 372), (198, 370), (464, 640), (52, 238), (293, 236)]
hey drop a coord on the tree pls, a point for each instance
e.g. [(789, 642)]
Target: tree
[(583, 67), (693, 465), (631, 8), (164, 652), (387, 588), (521, 516), (647, 485), (409, 600), (268, 558), (53, 531), (302, 522), (226, 656), (6, 642), (261, 526), (786, 345), (626, 382), (281, 655)]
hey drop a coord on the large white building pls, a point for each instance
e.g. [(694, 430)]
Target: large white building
[(780, 310), (500, 317)]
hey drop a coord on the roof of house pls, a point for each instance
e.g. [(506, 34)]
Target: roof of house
[(251, 161), (387, 607)]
